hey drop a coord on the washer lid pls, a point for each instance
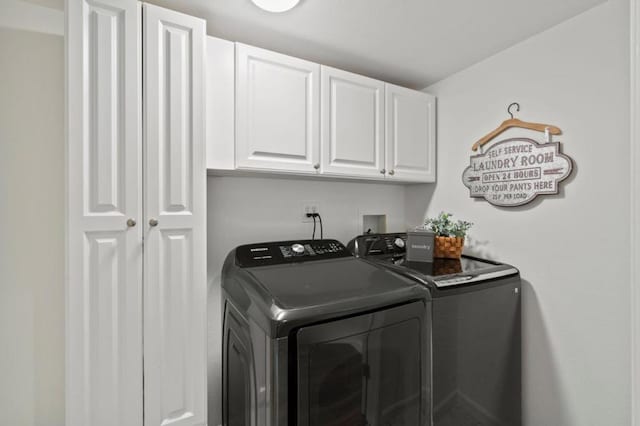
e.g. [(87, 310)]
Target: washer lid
[(466, 274), (344, 281)]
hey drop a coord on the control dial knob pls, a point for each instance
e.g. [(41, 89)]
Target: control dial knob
[(399, 242), (297, 249)]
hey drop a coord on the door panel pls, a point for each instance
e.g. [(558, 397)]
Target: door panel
[(371, 369), (477, 356), (352, 124), (105, 117), (240, 377), (175, 248), (411, 137), (104, 157), (107, 294), (277, 111)]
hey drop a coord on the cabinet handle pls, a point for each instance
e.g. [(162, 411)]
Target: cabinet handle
[(316, 166), (391, 172), (131, 223), (153, 222), (383, 171)]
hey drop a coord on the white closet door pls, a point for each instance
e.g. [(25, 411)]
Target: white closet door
[(278, 101), (411, 134), (175, 247), (104, 253), (352, 124)]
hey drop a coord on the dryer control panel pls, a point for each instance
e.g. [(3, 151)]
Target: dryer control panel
[(279, 252)]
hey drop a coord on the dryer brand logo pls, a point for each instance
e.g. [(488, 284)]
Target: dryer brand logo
[(515, 171), (420, 246)]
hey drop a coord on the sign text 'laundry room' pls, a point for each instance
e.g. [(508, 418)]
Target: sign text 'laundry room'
[(515, 171)]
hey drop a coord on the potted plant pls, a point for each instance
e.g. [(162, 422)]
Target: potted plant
[(449, 235)]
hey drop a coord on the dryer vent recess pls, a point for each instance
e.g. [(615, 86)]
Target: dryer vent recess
[(374, 224)]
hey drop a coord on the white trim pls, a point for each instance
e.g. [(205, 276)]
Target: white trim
[(21, 15), (634, 199), (72, 43)]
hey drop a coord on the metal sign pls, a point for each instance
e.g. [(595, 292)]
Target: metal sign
[(515, 171)]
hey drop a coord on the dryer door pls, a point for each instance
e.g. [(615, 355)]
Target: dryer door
[(372, 369)]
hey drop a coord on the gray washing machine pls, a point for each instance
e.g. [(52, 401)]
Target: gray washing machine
[(315, 337), (476, 331)]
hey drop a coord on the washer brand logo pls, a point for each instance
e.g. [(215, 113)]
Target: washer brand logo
[(260, 249), (420, 246)]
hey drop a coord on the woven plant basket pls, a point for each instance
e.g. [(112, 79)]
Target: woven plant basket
[(448, 247)]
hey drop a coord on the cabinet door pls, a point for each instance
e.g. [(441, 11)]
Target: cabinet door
[(277, 100), (175, 247), (352, 124), (411, 135), (104, 253)]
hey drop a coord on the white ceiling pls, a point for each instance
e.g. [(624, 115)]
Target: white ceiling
[(409, 42)]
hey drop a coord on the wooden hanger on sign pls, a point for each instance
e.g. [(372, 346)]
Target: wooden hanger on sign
[(514, 122)]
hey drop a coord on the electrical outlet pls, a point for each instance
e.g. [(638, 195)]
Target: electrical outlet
[(309, 207)]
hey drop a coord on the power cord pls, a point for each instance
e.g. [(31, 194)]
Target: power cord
[(321, 230), (313, 216), (313, 237)]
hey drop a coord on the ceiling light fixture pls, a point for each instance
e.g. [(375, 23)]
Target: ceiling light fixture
[(276, 6)]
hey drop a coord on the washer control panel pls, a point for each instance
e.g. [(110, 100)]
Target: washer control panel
[(376, 244), (275, 253)]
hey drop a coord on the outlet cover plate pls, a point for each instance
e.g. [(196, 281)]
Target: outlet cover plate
[(309, 207)]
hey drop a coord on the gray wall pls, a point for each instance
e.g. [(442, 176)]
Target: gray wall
[(572, 248), (31, 229)]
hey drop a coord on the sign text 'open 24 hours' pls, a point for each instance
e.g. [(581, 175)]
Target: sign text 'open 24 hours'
[(515, 171)]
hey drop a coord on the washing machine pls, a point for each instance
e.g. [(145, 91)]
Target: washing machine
[(316, 337), (476, 331)]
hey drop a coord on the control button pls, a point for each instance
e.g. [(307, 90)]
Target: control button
[(286, 252), (298, 249), (399, 242)]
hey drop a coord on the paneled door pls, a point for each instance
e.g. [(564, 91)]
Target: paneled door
[(104, 208), (174, 227), (411, 134), (277, 101), (352, 124)]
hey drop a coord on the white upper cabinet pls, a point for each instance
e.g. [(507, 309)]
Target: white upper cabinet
[(175, 288), (352, 124), (277, 111), (410, 135), (294, 116)]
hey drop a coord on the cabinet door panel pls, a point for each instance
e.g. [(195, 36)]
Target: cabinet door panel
[(104, 158), (175, 248), (277, 100), (352, 124), (411, 138)]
